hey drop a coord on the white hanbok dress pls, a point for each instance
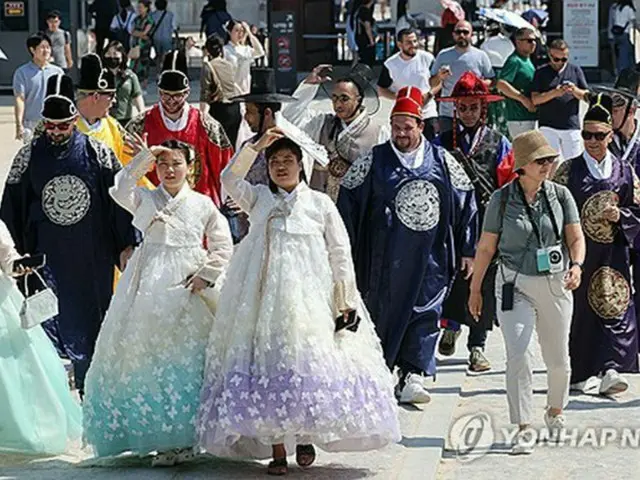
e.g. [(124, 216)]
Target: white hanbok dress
[(276, 371), (143, 386)]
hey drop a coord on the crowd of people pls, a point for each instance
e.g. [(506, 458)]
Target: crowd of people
[(251, 277)]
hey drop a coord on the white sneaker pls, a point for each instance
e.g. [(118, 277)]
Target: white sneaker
[(414, 390), (523, 443), (590, 385), (613, 383), (554, 423), (164, 459)]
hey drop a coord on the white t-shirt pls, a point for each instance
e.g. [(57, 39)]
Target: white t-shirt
[(415, 72), (625, 17), (241, 56)]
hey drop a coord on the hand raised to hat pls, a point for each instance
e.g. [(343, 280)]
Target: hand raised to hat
[(319, 74), (268, 138), (134, 144)]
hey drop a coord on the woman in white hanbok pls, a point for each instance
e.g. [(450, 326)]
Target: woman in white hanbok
[(144, 382), (277, 374)]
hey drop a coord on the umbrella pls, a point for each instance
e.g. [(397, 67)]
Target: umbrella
[(535, 13), (2, 55), (511, 19)]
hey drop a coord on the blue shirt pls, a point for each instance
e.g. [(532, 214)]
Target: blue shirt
[(473, 60), (30, 81)]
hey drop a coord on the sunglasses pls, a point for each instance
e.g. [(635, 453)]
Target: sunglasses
[(462, 32), (559, 60), (57, 126), (544, 161), (528, 40), (174, 96), (109, 95), (599, 136)]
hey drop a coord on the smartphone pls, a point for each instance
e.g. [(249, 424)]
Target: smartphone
[(35, 261), (508, 296), (350, 323)]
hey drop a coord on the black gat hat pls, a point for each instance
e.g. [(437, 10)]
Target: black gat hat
[(174, 77), (59, 102), (95, 78)]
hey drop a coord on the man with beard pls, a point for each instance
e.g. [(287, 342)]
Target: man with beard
[(411, 67), (411, 215), (262, 104), (347, 133), (604, 330), (486, 156), (452, 62), (174, 118), (56, 202)]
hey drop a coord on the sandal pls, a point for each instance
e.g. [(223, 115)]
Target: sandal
[(305, 455), (278, 467)]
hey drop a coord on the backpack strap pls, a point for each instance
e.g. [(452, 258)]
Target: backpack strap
[(504, 198)]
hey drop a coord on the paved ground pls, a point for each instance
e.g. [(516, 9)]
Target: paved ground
[(425, 451)]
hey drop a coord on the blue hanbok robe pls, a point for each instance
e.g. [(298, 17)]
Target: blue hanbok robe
[(56, 202), (408, 229)]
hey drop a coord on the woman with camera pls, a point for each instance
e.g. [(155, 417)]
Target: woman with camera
[(534, 227)]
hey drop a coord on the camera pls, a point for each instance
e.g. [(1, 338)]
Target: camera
[(556, 259)]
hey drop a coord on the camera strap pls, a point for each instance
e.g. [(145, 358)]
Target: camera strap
[(529, 211)]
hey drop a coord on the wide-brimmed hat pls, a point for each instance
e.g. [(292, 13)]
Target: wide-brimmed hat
[(626, 86), (59, 102), (174, 77), (94, 77), (363, 76), (263, 88), (529, 147), (409, 102), (471, 86)]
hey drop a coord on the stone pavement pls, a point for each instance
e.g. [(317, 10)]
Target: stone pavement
[(425, 451)]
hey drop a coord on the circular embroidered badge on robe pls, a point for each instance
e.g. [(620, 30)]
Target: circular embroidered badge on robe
[(609, 293), (418, 205), (338, 167), (595, 227), (65, 200), (562, 173), (358, 172), (459, 177)]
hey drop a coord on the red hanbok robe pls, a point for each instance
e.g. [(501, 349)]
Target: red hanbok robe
[(205, 134)]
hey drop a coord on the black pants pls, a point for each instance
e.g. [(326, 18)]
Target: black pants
[(229, 116), (367, 55)]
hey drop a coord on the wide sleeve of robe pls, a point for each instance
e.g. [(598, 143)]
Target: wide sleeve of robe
[(301, 115), (8, 253), (14, 210), (120, 220), (125, 191), (465, 210), (630, 208), (219, 246), (233, 179)]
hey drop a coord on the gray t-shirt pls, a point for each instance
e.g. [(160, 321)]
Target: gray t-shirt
[(59, 39), (518, 243), (473, 60)]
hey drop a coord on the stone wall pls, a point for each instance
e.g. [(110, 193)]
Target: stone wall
[(188, 11)]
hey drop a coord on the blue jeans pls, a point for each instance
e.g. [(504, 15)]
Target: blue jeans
[(626, 55)]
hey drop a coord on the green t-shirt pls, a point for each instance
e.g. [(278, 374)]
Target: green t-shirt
[(127, 88), (518, 71), (518, 243)]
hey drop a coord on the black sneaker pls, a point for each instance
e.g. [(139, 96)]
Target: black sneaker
[(447, 345)]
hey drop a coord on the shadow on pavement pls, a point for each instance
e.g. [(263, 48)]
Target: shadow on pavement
[(422, 442), (601, 402)]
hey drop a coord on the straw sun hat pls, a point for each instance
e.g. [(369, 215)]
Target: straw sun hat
[(529, 147)]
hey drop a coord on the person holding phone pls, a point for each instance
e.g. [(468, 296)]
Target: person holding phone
[(39, 414), (278, 375), (533, 226), (143, 386)]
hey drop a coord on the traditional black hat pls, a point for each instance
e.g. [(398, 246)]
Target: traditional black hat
[(600, 110), (263, 88), (362, 76), (95, 78), (59, 102), (174, 77)]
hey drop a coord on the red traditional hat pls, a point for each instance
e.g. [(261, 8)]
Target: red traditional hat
[(409, 102), (471, 86)]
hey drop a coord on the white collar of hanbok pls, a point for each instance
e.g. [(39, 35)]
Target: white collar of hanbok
[(167, 197), (630, 144), (175, 125), (411, 160), (288, 197), (91, 127), (599, 170), (354, 125)]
